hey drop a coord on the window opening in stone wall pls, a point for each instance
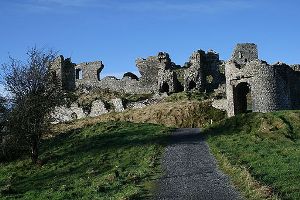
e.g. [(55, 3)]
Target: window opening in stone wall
[(192, 85), (165, 87), (98, 74), (240, 55), (74, 116), (79, 74), (242, 98), (54, 76), (178, 87)]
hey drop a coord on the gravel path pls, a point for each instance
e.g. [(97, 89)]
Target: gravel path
[(190, 170)]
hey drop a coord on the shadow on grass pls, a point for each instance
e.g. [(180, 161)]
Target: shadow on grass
[(230, 126), (73, 154)]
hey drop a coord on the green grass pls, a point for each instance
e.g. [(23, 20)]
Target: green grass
[(113, 160), (267, 145)]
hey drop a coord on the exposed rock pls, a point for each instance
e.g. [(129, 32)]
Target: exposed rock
[(64, 114), (137, 105), (220, 104), (98, 108), (118, 104)]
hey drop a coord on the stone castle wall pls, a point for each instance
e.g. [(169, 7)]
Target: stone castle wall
[(158, 74), (244, 53), (269, 87)]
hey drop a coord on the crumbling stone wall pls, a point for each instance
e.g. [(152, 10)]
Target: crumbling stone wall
[(193, 74), (213, 75), (125, 85), (203, 71), (158, 74), (148, 69), (63, 71), (167, 81), (272, 87), (294, 82), (167, 78), (244, 52), (88, 74)]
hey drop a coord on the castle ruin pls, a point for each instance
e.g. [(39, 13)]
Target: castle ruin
[(254, 83), (251, 84)]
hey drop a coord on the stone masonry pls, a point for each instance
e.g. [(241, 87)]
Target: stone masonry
[(254, 83), (251, 84)]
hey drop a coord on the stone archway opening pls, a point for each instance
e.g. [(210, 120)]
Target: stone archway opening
[(165, 88), (78, 74), (242, 98), (192, 85), (98, 74)]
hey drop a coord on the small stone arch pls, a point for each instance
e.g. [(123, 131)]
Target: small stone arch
[(74, 116), (192, 85), (131, 75), (165, 87), (242, 98)]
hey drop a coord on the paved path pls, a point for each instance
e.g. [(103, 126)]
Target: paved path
[(191, 171)]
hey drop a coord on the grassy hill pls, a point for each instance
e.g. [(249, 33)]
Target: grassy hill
[(114, 160), (267, 146), (182, 113), (93, 158)]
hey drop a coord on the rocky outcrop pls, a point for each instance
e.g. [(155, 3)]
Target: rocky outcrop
[(118, 105), (98, 108), (64, 114)]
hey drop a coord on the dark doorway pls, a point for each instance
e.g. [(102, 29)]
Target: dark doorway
[(98, 74), (242, 98), (178, 87), (165, 87), (78, 73), (54, 76), (192, 85)]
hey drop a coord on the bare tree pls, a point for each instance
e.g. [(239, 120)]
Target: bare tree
[(3, 112), (34, 91)]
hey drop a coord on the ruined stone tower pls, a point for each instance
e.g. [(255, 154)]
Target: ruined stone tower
[(244, 52), (252, 84), (193, 75), (63, 70), (167, 78)]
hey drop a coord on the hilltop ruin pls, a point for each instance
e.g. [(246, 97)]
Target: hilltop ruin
[(248, 82)]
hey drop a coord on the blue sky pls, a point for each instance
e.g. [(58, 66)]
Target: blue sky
[(119, 31)]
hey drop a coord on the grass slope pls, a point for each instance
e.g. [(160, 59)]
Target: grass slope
[(267, 145), (114, 160), (172, 114)]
